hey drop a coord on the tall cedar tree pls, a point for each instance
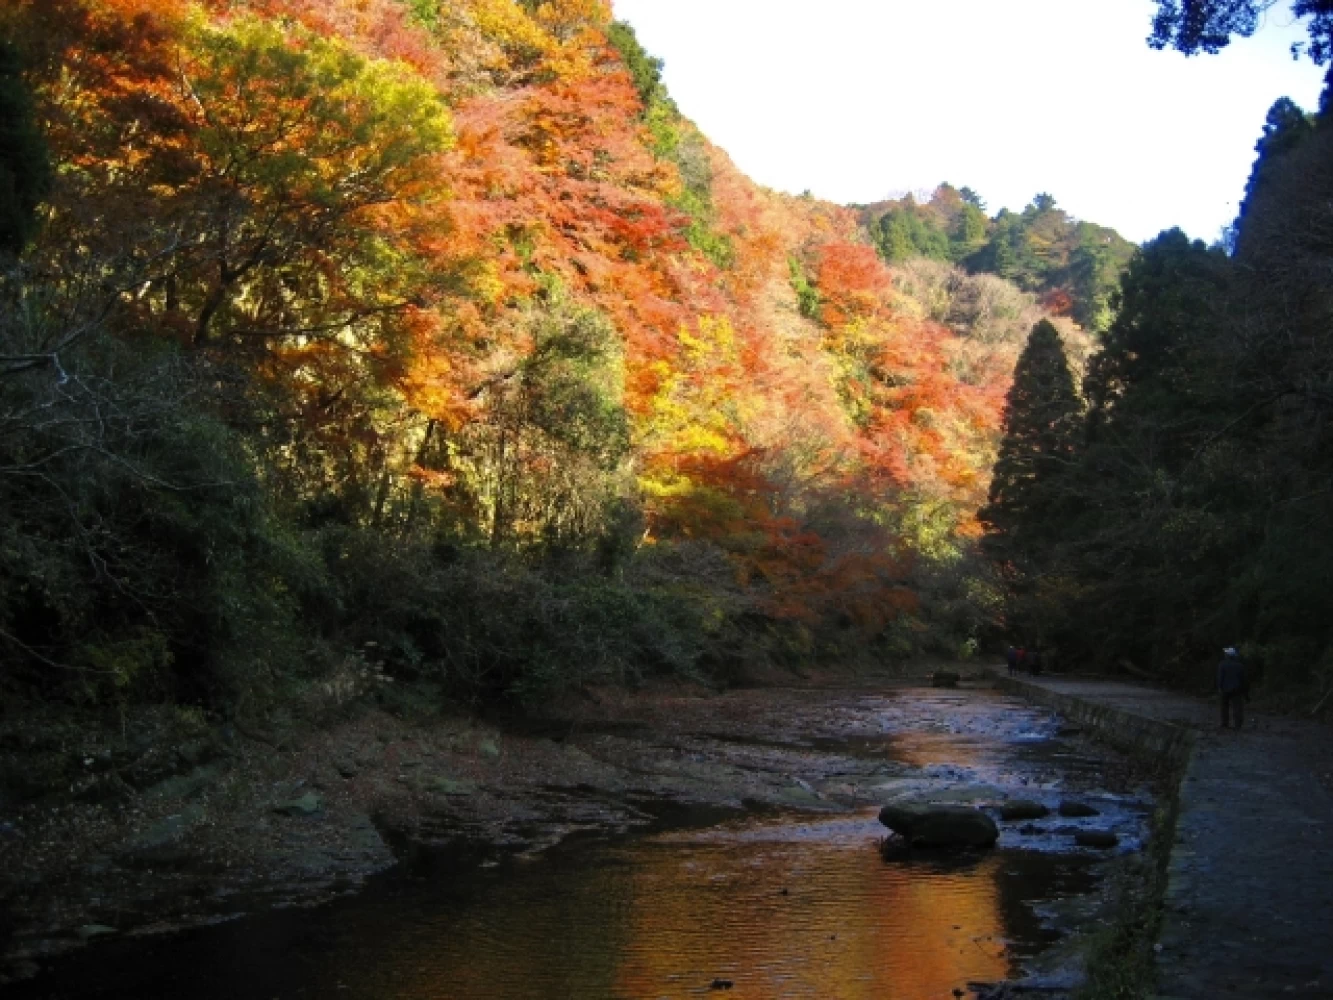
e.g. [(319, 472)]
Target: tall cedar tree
[(1155, 481), (1040, 421)]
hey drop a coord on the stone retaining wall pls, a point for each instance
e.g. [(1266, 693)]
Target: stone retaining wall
[(1142, 736)]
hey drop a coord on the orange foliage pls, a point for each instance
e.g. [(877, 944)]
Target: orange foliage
[(552, 179)]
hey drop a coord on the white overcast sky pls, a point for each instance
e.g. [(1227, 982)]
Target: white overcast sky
[(858, 99)]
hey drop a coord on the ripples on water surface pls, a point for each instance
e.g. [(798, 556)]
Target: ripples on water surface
[(781, 906)]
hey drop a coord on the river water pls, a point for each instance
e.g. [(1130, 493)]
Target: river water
[(748, 905)]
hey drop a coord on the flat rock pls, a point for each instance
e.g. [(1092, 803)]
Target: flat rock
[(306, 805), (1074, 809), (800, 795), (451, 786), (162, 843)]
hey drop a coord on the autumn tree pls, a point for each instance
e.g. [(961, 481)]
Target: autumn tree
[(508, 373), (299, 144), (546, 460)]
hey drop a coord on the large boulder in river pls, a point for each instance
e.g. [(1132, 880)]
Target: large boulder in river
[(945, 679), (940, 826), (1075, 809)]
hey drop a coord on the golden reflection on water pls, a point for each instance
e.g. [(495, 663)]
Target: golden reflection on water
[(850, 926), (666, 916), (927, 749)]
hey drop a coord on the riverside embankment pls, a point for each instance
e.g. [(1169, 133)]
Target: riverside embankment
[(1248, 907)]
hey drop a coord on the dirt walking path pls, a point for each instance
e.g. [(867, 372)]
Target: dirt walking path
[(1249, 908)]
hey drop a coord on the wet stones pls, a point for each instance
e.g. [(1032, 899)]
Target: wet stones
[(1102, 839), (1027, 810), (1022, 809), (940, 826), (89, 931)]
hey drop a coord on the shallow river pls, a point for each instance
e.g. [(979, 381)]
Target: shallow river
[(775, 905)]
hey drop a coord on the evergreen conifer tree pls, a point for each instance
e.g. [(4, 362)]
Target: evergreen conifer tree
[(1041, 424), (1040, 419)]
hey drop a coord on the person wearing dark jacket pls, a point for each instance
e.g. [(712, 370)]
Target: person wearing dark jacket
[(1232, 687)]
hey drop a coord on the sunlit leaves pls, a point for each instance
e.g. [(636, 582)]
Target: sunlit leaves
[(477, 277)]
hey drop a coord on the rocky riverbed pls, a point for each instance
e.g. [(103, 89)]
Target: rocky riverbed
[(174, 821)]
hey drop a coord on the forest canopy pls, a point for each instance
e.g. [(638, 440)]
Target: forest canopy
[(354, 341), (428, 341), (1187, 510)]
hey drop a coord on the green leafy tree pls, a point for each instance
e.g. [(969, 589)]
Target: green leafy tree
[(972, 198), (25, 168), (969, 231), (645, 69), (1193, 26), (1093, 274), (903, 233), (544, 467)]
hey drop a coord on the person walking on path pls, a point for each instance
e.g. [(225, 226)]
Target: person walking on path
[(1232, 687), (1011, 658)]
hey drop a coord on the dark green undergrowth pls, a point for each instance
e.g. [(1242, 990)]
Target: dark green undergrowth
[(1121, 960)]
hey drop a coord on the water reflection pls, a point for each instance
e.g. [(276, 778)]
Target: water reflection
[(849, 925), (782, 906), (659, 917), (666, 916)]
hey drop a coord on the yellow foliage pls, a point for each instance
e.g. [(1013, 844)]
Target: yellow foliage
[(697, 409), (487, 285), (508, 24)]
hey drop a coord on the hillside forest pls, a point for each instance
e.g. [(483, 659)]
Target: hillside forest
[(424, 345)]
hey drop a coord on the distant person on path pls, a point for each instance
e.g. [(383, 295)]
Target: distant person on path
[(1034, 661), (1232, 686), (1011, 658)]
